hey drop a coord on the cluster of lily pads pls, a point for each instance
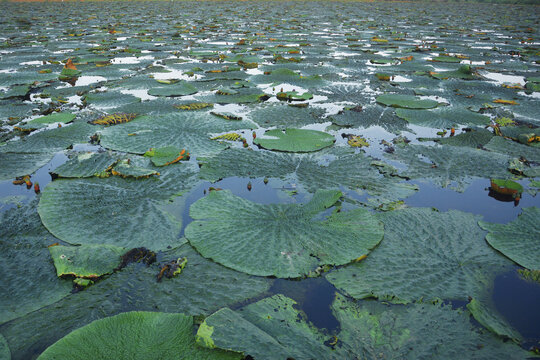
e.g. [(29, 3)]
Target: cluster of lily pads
[(150, 101)]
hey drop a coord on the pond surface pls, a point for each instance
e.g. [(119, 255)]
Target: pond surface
[(345, 155)]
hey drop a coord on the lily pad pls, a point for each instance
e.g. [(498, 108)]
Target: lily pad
[(182, 88), (86, 261), (69, 209), (44, 121), (406, 101), (86, 165), (518, 240), (445, 117), (425, 255), (181, 130), (166, 155), (277, 239), (134, 335), (295, 140)]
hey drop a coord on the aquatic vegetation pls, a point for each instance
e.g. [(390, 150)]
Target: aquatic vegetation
[(325, 180)]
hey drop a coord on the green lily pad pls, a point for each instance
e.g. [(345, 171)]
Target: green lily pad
[(445, 117), (277, 239), (519, 239), (44, 121), (447, 59), (17, 91), (295, 140), (86, 165), (134, 335), (86, 261), (96, 211), (67, 74), (465, 72), (271, 328), (20, 164), (406, 101), (511, 148), (166, 155), (182, 88), (294, 96), (425, 255), (491, 320), (473, 139), (126, 169), (181, 130)]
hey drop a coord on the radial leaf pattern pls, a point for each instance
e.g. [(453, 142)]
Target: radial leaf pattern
[(279, 240)]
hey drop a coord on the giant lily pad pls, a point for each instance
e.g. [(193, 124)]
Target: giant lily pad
[(295, 140), (97, 211), (87, 261), (86, 165), (44, 121), (519, 240), (445, 117), (182, 130), (425, 255), (205, 287), (277, 239), (406, 101), (182, 88), (134, 335), (5, 354)]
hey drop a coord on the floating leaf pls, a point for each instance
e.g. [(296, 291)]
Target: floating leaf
[(182, 88), (420, 258), (406, 101), (86, 165), (279, 240), (181, 130), (166, 155), (44, 121), (491, 320), (229, 136), (96, 211), (295, 140), (444, 118), (507, 187), (125, 169), (519, 239), (86, 261), (134, 335), (294, 96)]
